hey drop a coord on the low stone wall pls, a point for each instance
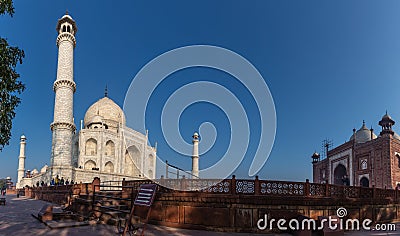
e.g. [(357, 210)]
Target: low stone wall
[(230, 206), (11, 191), (240, 213), (237, 204), (61, 194)]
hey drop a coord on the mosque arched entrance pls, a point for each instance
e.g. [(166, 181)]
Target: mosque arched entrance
[(339, 173), (364, 182)]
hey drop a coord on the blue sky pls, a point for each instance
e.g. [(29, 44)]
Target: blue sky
[(328, 64)]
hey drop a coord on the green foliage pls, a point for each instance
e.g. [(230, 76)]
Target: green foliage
[(10, 86), (6, 6)]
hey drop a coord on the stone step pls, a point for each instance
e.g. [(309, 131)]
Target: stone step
[(110, 217), (99, 196), (109, 202), (85, 200), (119, 193), (104, 209)]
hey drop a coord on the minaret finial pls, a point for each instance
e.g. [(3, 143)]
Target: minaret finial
[(106, 92), (363, 122), (66, 12)]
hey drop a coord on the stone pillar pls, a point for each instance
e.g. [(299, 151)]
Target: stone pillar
[(21, 162), (195, 155), (63, 126)]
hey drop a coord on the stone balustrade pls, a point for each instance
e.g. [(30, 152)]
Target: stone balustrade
[(237, 204)]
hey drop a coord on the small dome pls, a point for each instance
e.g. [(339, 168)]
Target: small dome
[(44, 169), (35, 172), (363, 135), (96, 120), (23, 137), (105, 110), (66, 18), (386, 121), (315, 155), (386, 116)]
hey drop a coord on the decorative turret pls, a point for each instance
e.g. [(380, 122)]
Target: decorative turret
[(386, 123), (195, 155), (372, 132), (315, 157), (21, 161), (63, 126)]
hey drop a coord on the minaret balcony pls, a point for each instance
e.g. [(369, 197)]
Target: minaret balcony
[(65, 36), (62, 125), (64, 83)]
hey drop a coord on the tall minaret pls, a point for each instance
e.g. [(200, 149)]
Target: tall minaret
[(195, 155), (21, 161), (63, 126)]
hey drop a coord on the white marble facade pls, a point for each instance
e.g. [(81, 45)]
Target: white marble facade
[(104, 146), (107, 144)]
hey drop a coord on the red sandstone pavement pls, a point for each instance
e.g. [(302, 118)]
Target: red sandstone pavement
[(16, 219)]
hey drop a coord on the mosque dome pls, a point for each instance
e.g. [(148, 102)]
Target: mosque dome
[(363, 135), (105, 111)]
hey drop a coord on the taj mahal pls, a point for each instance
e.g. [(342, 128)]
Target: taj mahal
[(104, 146)]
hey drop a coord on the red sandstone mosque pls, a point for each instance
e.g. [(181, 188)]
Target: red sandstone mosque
[(365, 160)]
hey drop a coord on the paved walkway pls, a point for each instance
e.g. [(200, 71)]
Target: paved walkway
[(16, 219)]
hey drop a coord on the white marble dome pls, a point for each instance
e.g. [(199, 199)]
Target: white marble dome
[(111, 114), (363, 135)]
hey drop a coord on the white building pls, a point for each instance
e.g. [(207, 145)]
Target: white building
[(104, 147)]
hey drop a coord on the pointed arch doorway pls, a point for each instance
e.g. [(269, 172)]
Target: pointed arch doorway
[(338, 174)]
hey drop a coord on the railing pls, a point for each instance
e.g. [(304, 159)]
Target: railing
[(101, 192), (177, 172), (233, 186), (256, 186), (111, 185)]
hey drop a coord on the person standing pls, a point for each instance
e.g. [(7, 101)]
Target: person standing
[(57, 180)]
